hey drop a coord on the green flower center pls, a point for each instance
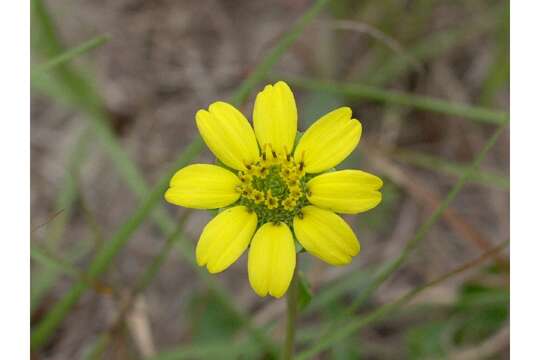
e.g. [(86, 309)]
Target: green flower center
[(275, 188)]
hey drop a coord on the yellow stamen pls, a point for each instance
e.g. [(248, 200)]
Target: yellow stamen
[(247, 190), (295, 193), (292, 183), (271, 202), (289, 203), (286, 172), (257, 196), (268, 157), (245, 178), (261, 171)]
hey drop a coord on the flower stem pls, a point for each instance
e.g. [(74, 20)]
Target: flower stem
[(292, 310)]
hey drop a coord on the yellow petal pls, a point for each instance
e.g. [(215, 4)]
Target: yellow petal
[(326, 235), (271, 260), (346, 191), (275, 117), (328, 141), (225, 238), (228, 135), (203, 186)]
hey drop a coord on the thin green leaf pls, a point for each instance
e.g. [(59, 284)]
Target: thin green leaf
[(64, 267), (304, 292), (70, 54), (451, 168), (96, 348), (400, 98), (42, 257), (217, 350), (499, 70), (352, 281)]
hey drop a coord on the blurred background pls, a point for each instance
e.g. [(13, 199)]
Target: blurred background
[(112, 263)]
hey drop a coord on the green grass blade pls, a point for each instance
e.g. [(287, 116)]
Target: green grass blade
[(153, 268), (392, 266), (44, 38), (70, 54), (42, 257), (451, 168), (71, 86), (352, 281), (96, 348), (221, 350), (401, 98), (357, 323), (498, 76)]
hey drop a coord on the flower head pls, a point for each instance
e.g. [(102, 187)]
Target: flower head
[(274, 187)]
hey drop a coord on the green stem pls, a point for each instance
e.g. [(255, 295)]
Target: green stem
[(292, 312)]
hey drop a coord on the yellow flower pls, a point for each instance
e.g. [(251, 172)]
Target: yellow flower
[(274, 188)]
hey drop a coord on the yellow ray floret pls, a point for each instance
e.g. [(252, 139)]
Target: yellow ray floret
[(271, 260), (228, 135), (326, 235), (203, 186), (225, 238), (275, 117), (346, 191), (328, 141)]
